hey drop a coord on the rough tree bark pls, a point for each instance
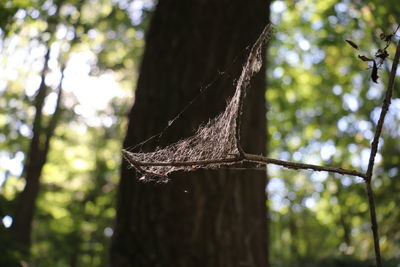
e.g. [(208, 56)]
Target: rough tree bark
[(204, 218)]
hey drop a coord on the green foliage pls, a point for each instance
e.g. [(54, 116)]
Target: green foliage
[(95, 45), (323, 109)]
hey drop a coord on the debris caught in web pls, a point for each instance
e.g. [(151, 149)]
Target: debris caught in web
[(214, 144)]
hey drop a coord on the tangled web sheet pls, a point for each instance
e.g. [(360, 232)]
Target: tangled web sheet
[(214, 144)]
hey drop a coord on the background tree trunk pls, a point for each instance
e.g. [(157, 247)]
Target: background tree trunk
[(36, 159), (204, 218)]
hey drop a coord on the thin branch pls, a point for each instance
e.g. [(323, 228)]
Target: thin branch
[(385, 108), (301, 166), (248, 158), (374, 224), (374, 150)]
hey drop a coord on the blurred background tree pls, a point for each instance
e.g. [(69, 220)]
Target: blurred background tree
[(56, 58), (83, 56), (323, 110)]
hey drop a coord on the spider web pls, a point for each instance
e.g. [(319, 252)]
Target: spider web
[(214, 144)]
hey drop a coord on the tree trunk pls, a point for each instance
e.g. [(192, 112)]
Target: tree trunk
[(39, 145), (203, 218), (23, 214), (36, 159)]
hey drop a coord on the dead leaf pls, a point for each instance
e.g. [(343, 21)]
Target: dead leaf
[(364, 58), (352, 44), (374, 74)]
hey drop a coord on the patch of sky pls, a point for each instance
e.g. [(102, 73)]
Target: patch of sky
[(352, 148), (284, 155), (277, 191), (21, 14), (337, 89), (278, 72), (292, 58), (308, 59), (3, 84), (34, 13), (318, 55), (306, 14), (328, 149), (61, 32), (50, 103), (357, 82), (319, 176), (108, 231), (297, 156), (355, 160), (317, 25), (350, 102), (283, 37), (375, 113), (332, 21), (32, 85), (312, 159), (346, 181), (395, 108), (302, 42), (365, 154), (24, 130), (7, 221), (135, 10), (374, 91), (393, 172), (13, 164), (341, 7), (310, 202), (277, 7)]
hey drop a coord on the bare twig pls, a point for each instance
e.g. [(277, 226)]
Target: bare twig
[(249, 158), (374, 223), (385, 108), (374, 150), (301, 166)]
